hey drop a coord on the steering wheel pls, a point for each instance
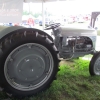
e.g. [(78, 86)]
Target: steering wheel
[(52, 26)]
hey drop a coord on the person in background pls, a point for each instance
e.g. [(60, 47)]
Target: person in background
[(30, 22)]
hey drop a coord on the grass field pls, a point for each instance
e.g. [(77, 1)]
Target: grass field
[(73, 83)]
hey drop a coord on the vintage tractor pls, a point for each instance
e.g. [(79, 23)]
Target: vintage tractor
[(29, 57)]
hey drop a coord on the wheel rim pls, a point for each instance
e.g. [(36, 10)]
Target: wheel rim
[(28, 67), (97, 66)]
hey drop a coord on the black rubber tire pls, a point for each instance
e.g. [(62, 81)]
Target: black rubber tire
[(92, 63), (15, 40)]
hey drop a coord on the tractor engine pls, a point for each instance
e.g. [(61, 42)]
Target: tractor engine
[(74, 46), (80, 43)]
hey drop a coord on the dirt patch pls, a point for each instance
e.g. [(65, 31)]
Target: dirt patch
[(69, 63)]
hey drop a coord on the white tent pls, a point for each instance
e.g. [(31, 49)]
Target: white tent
[(26, 17), (43, 2)]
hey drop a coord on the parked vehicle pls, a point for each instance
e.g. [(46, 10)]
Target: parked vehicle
[(29, 57), (81, 19), (46, 23), (71, 19)]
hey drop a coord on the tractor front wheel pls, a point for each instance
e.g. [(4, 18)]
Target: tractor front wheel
[(94, 66)]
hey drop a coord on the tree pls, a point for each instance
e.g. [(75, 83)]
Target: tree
[(25, 13)]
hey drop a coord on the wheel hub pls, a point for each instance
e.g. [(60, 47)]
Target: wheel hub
[(30, 68), (28, 65)]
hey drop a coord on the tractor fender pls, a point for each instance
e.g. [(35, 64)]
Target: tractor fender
[(6, 31)]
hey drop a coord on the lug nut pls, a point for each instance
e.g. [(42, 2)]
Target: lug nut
[(32, 70), (19, 70), (11, 59), (29, 47), (46, 54), (37, 58), (26, 79)]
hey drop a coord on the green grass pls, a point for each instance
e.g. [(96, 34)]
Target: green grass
[(73, 83), (98, 32)]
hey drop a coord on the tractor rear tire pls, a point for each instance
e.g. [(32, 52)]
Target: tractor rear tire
[(94, 66), (28, 65)]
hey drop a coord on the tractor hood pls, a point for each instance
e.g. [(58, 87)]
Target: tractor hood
[(74, 31), (3, 27)]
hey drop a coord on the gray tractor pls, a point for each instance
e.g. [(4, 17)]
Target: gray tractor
[(29, 57)]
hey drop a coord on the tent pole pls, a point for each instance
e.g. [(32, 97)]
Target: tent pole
[(43, 14), (29, 8)]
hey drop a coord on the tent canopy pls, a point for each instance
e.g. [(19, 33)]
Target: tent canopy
[(39, 1)]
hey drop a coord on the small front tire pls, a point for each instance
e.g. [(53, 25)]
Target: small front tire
[(94, 66)]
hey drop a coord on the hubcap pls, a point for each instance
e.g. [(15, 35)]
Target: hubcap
[(28, 66), (97, 67)]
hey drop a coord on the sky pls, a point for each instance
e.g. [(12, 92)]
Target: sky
[(66, 7)]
